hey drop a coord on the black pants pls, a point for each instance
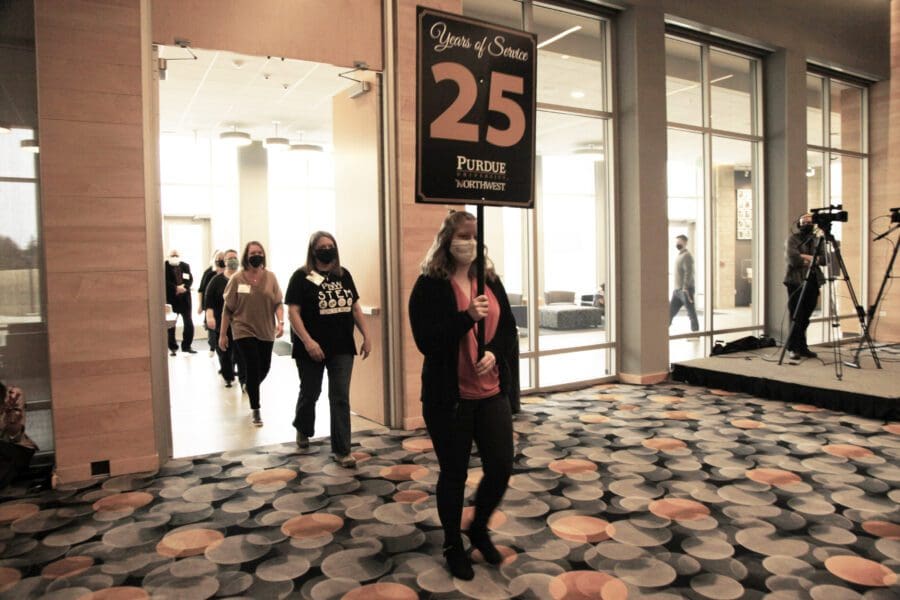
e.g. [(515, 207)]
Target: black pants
[(807, 304), (489, 423), (685, 299), (187, 336), (257, 358), (14, 460), (227, 358)]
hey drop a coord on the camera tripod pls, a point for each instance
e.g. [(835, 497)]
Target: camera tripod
[(873, 309), (828, 249)]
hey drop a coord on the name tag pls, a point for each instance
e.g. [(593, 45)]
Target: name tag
[(186, 277), (243, 288), (315, 278)]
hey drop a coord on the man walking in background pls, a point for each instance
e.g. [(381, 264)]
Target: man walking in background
[(178, 294), (684, 284)]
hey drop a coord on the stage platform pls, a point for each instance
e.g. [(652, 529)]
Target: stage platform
[(867, 391)]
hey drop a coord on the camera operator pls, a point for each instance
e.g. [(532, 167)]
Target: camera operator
[(799, 249)]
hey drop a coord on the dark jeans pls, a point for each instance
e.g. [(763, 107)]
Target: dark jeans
[(489, 423), (804, 306), (679, 299), (257, 358), (340, 367), (227, 358), (187, 337), (14, 460), (212, 338)]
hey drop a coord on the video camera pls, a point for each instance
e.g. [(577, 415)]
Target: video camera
[(895, 215), (825, 216)]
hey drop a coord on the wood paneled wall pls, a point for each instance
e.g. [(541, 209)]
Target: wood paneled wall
[(337, 32), (90, 110), (418, 222)]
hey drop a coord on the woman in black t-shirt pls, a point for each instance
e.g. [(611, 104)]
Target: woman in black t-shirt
[(323, 307), (214, 301)]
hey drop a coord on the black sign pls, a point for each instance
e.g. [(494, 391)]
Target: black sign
[(475, 112)]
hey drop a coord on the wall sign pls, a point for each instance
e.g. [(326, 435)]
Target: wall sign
[(475, 112)]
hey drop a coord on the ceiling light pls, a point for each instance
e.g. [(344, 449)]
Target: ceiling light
[(310, 148), (277, 143), (594, 151), (559, 36), (577, 94), (30, 146), (811, 172), (236, 138)]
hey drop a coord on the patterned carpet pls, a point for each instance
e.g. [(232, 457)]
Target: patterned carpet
[(619, 491)]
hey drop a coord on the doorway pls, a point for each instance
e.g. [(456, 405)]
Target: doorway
[(262, 148)]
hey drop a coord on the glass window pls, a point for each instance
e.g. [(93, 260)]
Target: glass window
[(687, 217), (814, 110), (713, 189), (684, 95), (732, 84), (571, 66), (837, 176), (556, 269)]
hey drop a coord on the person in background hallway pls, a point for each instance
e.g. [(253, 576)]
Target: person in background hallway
[(178, 294), (217, 266), (16, 448), (255, 314), (684, 284), (464, 397), (799, 249), (214, 302), (323, 307)]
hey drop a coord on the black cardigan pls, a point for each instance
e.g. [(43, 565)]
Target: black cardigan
[(437, 327)]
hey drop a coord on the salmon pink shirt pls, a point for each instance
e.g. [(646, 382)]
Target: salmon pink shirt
[(471, 386)]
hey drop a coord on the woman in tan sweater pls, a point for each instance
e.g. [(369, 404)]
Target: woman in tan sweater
[(253, 308)]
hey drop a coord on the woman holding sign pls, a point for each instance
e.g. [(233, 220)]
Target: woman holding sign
[(464, 398)]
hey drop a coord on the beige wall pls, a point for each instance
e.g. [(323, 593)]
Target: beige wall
[(337, 32), (92, 207)]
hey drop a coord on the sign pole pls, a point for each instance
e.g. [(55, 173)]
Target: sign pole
[(479, 274)]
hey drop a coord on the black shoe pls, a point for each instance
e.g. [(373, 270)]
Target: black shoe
[(794, 355), (173, 352), (807, 353), (228, 384), (190, 351), (481, 541), (458, 562)]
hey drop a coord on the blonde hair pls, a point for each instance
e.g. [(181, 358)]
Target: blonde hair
[(438, 261)]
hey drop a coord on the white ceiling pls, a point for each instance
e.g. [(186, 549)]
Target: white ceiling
[(222, 90)]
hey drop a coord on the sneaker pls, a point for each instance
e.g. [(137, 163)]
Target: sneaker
[(211, 354), (257, 420), (347, 461), (302, 440), (458, 562), (794, 355), (190, 351), (808, 353)]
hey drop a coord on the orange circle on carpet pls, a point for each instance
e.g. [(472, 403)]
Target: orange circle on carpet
[(587, 585), (860, 571), (580, 528), (847, 450), (16, 510), (663, 444), (191, 542), (310, 526), (124, 501), (679, 509), (381, 591), (67, 567), (271, 476), (569, 466), (776, 477)]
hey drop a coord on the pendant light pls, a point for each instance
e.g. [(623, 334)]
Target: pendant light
[(277, 143), (235, 138)]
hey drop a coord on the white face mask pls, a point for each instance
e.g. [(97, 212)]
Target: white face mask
[(463, 251), (174, 260)]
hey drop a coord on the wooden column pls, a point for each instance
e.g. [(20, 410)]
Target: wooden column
[(90, 109)]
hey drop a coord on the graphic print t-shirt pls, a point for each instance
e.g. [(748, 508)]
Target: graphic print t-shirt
[(326, 311)]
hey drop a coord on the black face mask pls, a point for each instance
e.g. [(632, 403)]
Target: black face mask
[(325, 255), (220, 264), (806, 228), (256, 260)]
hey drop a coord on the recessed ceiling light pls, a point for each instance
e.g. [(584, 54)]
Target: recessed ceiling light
[(565, 57), (577, 94)]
